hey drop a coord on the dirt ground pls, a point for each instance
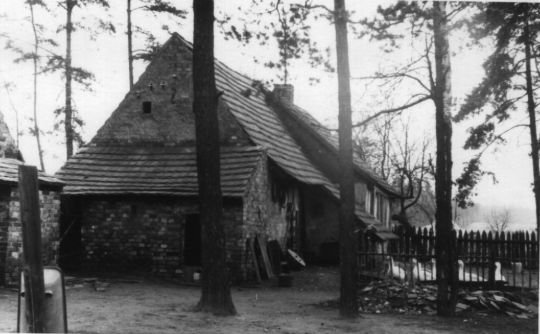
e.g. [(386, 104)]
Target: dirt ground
[(151, 306)]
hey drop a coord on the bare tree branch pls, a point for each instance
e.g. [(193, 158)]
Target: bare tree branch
[(392, 76), (392, 110)]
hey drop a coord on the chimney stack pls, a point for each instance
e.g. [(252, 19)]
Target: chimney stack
[(284, 92)]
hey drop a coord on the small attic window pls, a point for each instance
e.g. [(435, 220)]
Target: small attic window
[(147, 107)]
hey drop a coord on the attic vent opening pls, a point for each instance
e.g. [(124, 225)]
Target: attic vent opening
[(147, 107)]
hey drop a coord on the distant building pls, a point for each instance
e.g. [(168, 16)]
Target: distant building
[(10, 225), (130, 201)]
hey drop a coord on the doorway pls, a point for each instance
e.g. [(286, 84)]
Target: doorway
[(192, 240), (70, 252)]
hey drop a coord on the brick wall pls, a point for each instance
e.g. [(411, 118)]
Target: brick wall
[(146, 235), (4, 227), (10, 220)]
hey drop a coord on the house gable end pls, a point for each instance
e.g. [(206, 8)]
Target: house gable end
[(158, 111)]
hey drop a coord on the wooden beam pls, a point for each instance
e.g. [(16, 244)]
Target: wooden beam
[(264, 254), (31, 233)]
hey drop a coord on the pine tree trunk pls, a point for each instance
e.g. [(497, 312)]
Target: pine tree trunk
[(445, 245), (348, 242), (68, 110), (35, 61), (130, 44), (532, 124), (216, 293)]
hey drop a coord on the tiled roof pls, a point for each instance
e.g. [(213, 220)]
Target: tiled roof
[(245, 102), (9, 173), (153, 170), (327, 137), (265, 128)]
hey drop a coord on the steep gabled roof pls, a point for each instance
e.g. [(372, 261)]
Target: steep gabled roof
[(153, 170), (242, 98), (264, 127)]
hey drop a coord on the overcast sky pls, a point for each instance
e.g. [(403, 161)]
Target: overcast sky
[(106, 58)]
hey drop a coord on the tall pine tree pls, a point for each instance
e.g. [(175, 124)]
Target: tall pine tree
[(510, 82), (427, 23), (445, 248), (348, 238), (72, 73), (150, 6), (216, 293)]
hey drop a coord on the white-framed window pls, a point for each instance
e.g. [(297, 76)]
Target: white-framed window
[(378, 205), (369, 199)]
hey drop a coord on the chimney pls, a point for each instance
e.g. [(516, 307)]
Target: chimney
[(284, 92)]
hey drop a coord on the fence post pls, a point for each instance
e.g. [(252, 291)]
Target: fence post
[(503, 254), (491, 258), (528, 256), (459, 245), (464, 246), (31, 233), (534, 253), (481, 242), (431, 242)]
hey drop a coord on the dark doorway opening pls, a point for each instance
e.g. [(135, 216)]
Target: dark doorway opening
[(192, 240), (70, 235)]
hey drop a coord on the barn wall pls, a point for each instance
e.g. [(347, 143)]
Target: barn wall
[(146, 235), (10, 209)]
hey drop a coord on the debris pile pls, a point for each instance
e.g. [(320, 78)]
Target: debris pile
[(390, 296), (498, 301), (397, 297)]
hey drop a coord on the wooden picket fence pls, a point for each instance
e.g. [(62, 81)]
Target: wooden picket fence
[(509, 258)]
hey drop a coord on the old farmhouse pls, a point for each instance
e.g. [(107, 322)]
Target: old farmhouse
[(130, 200)]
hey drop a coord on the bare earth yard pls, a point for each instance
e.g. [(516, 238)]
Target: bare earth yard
[(156, 307)]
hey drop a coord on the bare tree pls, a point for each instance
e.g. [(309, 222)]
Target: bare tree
[(499, 220), (400, 160)]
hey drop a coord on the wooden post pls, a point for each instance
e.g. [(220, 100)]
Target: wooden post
[(31, 230), (529, 262), (491, 259), (504, 254)]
